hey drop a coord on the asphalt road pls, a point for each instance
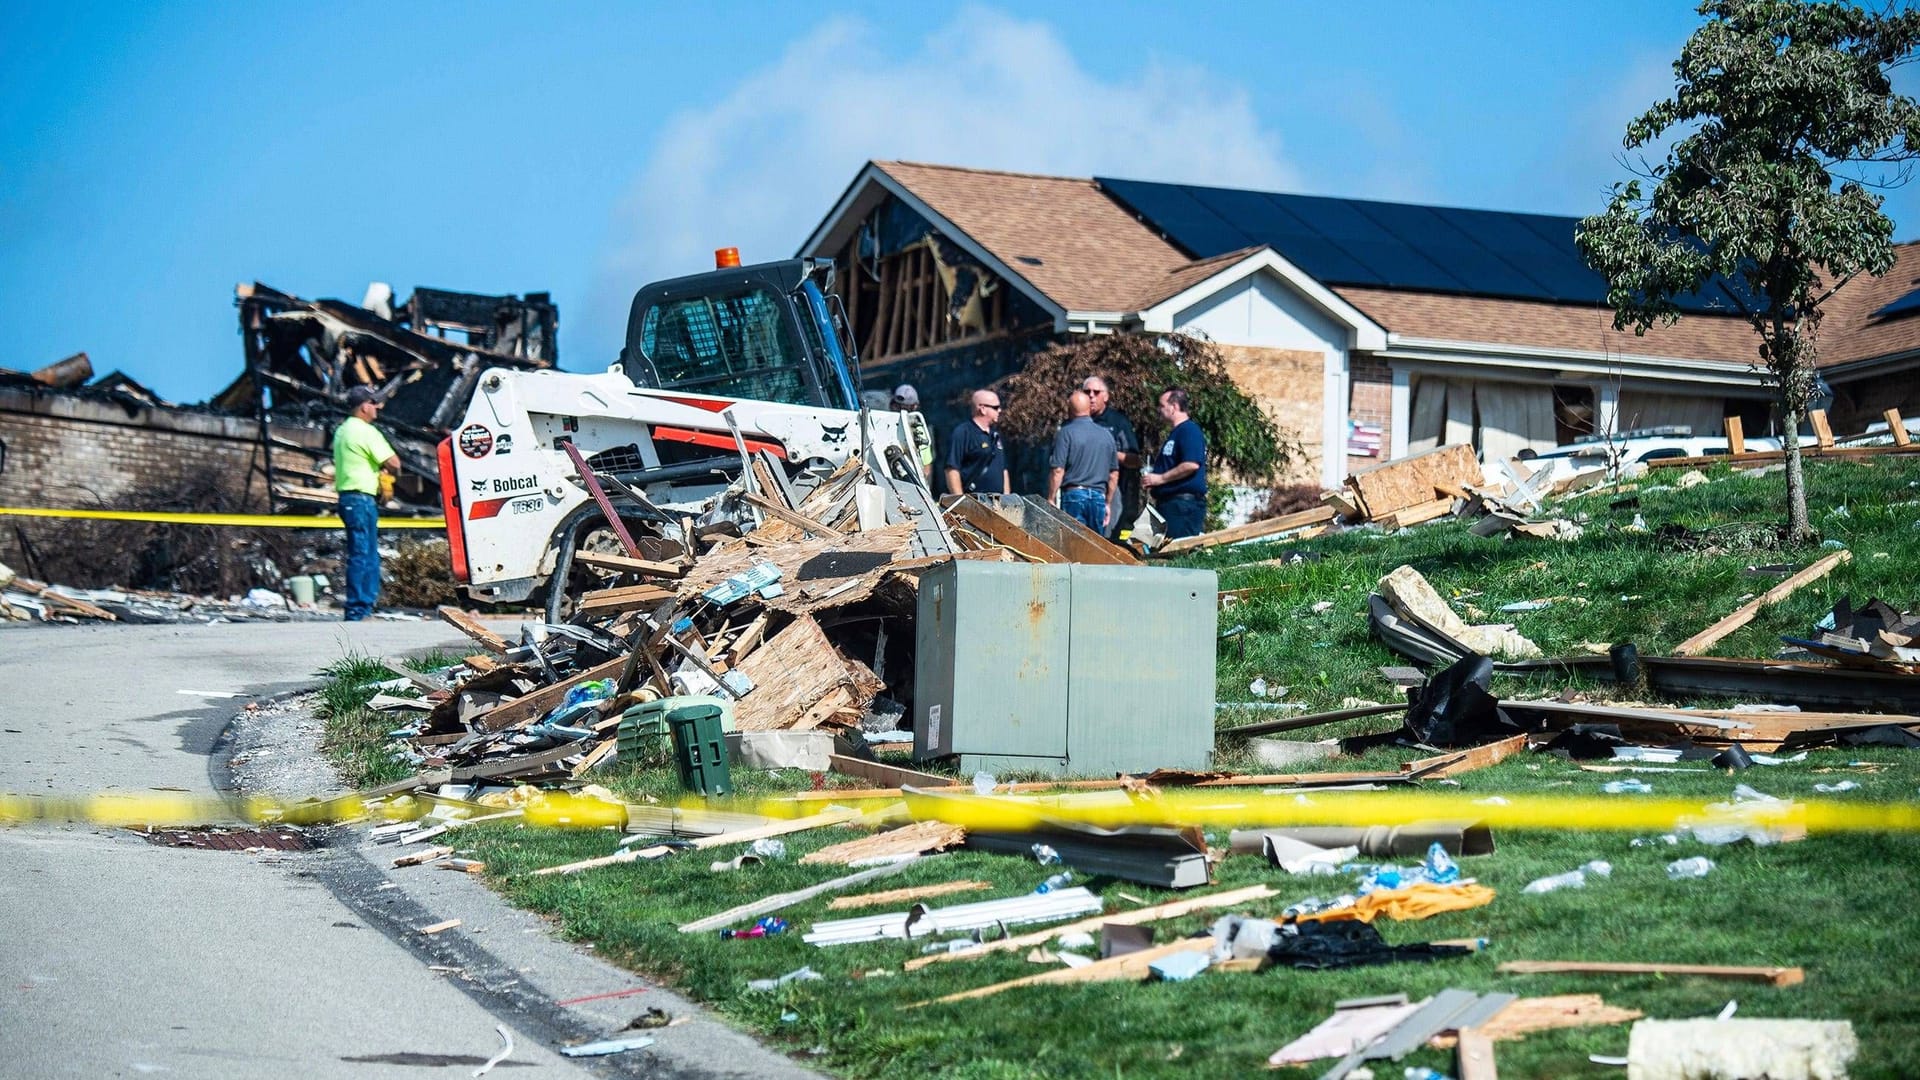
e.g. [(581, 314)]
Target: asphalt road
[(122, 958)]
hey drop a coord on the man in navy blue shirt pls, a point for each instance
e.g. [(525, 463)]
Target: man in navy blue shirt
[(976, 459), (1178, 478)]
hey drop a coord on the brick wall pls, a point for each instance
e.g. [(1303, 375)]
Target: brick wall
[(1370, 401), (65, 450)]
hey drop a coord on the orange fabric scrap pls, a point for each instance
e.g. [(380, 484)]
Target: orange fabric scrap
[(1413, 902)]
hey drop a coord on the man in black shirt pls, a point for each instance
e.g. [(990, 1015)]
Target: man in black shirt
[(1125, 442), (976, 459)]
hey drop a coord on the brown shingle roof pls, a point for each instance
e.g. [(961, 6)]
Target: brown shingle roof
[(1083, 250), (1062, 234), (1851, 332), (1551, 326)]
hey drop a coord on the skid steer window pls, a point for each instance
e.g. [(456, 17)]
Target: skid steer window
[(735, 344)]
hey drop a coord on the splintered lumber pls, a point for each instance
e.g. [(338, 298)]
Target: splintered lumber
[(440, 926), (531, 707), (795, 518), (1772, 976), (1897, 427), (910, 894), (626, 598), (466, 623), (919, 838), (418, 857), (1129, 966), (802, 682), (1253, 531), (1395, 485), (1171, 910), (770, 904), (837, 816), (1769, 457), (1416, 514), (1479, 757), (69, 605), (1707, 638)]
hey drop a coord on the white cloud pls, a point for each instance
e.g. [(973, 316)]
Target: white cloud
[(759, 168)]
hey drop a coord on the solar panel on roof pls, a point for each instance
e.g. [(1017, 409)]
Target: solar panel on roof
[(1454, 245), (1909, 302), (1175, 212), (1397, 245)]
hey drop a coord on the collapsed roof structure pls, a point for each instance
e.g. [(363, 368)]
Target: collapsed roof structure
[(422, 357)]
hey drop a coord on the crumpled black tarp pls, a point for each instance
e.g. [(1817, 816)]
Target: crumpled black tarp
[(1319, 946)]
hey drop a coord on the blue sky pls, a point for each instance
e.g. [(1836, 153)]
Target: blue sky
[(152, 155)]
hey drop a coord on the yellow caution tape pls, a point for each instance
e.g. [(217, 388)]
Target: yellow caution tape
[(1215, 808), (251, 521)]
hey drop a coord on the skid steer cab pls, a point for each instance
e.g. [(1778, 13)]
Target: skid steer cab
[(746, 368)]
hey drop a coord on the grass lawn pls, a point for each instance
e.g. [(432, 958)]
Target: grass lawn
[(1839, 905)]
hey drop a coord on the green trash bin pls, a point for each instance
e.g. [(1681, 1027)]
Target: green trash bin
[(700, 748), (643, 730)]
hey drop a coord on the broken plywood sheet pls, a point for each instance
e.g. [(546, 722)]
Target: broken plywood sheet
[(1410, 481), (1525, 1016), (916, 839), (723, 563), (1412, 596), (801, 682)]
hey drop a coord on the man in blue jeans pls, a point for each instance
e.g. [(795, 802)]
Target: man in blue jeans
[(1085, 476), (363, 462), (1178, 479)]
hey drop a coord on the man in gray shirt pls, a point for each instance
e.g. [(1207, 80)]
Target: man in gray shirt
[(1085, 480)]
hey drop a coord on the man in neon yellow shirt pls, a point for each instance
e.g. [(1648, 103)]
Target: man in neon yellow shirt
[(360, 455)]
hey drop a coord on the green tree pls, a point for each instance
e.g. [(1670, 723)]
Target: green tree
[(1137, 367), (1787, 120)]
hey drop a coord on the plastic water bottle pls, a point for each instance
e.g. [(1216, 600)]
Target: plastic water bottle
[(1058, 881), (1697, 867), (1572, 879)]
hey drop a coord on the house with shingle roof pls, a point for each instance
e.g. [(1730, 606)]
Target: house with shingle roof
[(1367, 329)]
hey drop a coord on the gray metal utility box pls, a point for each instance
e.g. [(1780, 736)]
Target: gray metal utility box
[(1065, 668)]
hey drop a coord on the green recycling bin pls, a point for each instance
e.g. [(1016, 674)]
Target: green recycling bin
[(700, 748)]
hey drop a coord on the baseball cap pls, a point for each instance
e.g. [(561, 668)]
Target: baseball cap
[(905, 394), (360, 395)]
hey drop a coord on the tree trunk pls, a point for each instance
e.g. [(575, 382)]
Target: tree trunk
[(1798, 527)]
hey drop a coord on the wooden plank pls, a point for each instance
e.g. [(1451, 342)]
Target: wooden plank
[(1170, 910), (607, 601), (1474, 1056), (889, 775), (530, 707), (1479, 757), (598, 754), (1395, 485), (776, 902), (1736, 436), (1253, 531), (1768, 457), (742, 836), (1414, 515), (1897, 428), (466, 623), (629, 566), (1129, 966), (794, 517), (910, 894), (440, 926), (1822, 431), (972, 512), (1772, 976), (920, 838), (1707, 638)]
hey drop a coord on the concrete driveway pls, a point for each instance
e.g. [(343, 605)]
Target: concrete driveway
[(122, 958)]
